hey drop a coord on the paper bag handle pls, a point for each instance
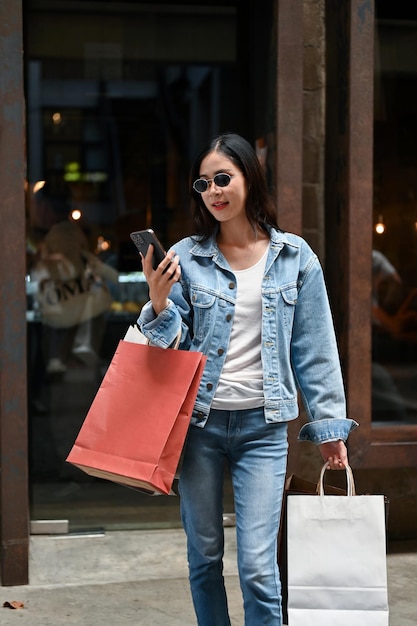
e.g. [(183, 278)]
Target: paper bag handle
[(177, 341), (351, 491)]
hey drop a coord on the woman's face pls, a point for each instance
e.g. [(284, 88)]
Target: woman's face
[(224, 203)]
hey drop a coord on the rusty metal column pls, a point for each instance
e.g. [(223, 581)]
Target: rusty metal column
[(14, 517), (289, 114), (349, 175)]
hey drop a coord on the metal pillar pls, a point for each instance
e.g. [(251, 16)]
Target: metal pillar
[(14, 517)]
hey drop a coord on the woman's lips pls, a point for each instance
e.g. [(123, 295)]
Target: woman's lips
[(217, 206)]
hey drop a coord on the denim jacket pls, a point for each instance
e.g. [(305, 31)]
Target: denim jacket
[(298, 350)]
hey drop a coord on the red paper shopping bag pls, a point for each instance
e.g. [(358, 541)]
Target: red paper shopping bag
[(135, 429)]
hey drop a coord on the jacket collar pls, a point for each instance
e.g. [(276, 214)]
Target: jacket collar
[(209, 247)]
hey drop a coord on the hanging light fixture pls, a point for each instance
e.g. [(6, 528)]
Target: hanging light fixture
[(380, 226)]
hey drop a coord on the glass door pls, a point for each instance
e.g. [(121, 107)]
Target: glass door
[(120, 97)]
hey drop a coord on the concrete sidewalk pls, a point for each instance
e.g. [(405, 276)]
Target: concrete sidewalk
[(139, 578)]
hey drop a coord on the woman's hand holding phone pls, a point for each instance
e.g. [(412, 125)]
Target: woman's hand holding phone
[(160, 280), (160, 269)]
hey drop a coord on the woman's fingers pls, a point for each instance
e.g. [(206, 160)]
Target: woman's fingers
[(161, 279), (335, 454), (169, 267)]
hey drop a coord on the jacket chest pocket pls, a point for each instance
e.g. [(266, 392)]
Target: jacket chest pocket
[(288, 301), (203, 304), (280, 303)]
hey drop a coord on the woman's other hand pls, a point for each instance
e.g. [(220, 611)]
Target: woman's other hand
[(335, 454)]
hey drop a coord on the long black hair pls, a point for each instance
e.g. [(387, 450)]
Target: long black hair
[(260, 209)]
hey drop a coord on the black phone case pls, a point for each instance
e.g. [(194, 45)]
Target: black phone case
[(142, 239)]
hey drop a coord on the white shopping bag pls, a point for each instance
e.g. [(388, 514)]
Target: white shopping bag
[(337, 570)]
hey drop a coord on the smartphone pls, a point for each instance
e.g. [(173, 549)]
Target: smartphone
[(142, 239)]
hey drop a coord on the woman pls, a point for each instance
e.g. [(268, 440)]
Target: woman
[(253, 299)]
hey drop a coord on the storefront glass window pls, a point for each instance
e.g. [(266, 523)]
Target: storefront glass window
[(120, 96), (394, 256)]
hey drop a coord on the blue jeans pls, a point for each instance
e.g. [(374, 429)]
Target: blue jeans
[(256, 453)]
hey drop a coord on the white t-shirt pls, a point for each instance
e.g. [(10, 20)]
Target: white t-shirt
[(241, 380)]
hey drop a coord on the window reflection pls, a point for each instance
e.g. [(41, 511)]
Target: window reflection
[(120, 96), (394, 257)]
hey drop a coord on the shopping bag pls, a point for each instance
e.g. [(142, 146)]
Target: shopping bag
[(135, 429), (66, 303), (294, 485), (337, 558)]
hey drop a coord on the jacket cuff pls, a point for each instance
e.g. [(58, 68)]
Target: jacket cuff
[(326, 429), (161, 330)]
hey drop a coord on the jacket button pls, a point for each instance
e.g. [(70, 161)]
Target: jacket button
[(228, 317), (231, 285), (220, 351), (209, 386)]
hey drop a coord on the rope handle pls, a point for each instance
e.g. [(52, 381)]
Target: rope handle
[(351, 491), (177, 341)]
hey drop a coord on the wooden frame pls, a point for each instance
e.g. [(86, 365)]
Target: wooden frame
[(14, 505), (289, 114), (349, 198)]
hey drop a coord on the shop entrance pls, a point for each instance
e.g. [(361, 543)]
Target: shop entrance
[(120, 97)]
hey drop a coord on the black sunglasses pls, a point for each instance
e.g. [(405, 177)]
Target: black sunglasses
[(220, 180)]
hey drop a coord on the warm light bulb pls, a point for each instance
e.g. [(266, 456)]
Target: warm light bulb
[(76, 215), (38, 185), (102, 244), (380, 226)]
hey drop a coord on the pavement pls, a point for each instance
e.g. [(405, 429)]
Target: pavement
[(139, 578)]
